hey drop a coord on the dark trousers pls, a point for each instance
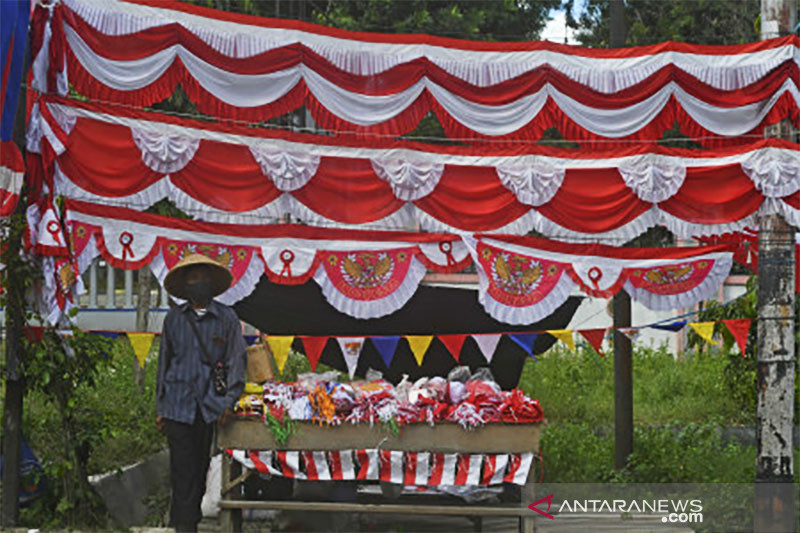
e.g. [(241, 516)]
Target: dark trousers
[(189, 457)]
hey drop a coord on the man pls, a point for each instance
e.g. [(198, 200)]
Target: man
[(199, 338)]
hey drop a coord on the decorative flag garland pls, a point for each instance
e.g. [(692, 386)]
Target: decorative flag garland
[(351, 347), (368, 274), (92, 153), (409, 468), (257, 71), (523, 279)]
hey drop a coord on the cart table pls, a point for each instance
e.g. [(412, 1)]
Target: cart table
[(253, 434)]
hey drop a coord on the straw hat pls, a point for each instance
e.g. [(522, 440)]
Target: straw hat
[(175, 282)]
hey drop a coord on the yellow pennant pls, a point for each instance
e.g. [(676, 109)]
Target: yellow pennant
[(141, 343), (705, 330), (565, 336), (419, 345), (279, 346)]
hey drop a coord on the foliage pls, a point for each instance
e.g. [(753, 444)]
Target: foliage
[(740, 372), (488, 20), (579, 386), (56, 367), (655, 21), (114, 420)]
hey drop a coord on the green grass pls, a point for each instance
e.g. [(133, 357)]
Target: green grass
[(579, 387)]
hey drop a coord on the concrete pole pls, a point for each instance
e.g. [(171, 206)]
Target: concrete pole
[(623, 351), (774, 494), (142, 315)]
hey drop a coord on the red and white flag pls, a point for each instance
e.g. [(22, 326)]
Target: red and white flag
[(494, 469), (391, 466), (341, 465), (263, 462), (417, 468), (368, 464), (289, 463), (519, 465), (468, 469), (316, 466)]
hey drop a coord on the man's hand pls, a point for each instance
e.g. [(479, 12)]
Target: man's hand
[(225, 417), (160, 423)]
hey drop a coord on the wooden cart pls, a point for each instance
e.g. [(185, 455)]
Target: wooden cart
[(250, 434)]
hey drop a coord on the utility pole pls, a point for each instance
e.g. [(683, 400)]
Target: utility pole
[(775, 367), (623, 356)]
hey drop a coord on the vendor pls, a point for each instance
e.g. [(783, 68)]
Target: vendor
[(201, 374)]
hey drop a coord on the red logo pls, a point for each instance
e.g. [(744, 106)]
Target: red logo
[(549, 501)]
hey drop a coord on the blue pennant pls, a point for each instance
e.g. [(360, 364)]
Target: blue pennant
[(250, 339), (110, 335), (386, 346), (525, 341), (671, 326)]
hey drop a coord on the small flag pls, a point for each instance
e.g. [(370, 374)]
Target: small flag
[(740, 329), (250, 339), (565, 336), (419, 345), (351, 349), (386, 346), (705, 330), (595, 338), (525, 341), (453, 343), (141, 343), (110, 335), (487, 344), (671, 326), (279, 346), (631, 333), (313, 347)]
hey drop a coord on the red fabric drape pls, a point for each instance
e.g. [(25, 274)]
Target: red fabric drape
[(593, 201), (348, 191)]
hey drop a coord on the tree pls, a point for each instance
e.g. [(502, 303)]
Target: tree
[(495, 20), (656, 21)]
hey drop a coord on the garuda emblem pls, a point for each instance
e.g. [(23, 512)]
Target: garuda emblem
[(515, 274), (367, 270), (669, 274)]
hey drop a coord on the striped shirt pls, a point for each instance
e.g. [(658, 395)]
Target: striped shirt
[(183, 383)]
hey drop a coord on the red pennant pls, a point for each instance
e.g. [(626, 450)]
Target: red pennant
[(453, 343), (34, 334), (740, 329), (313, 347), (595, 338)]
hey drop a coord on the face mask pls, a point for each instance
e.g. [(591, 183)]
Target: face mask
[(199, 293)]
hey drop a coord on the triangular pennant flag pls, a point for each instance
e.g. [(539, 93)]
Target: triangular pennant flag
[(250, 339), (671, 326), (705, 330), (565, 336), (351, 350), (279, 346), (386, 346), (141, 343), (313, 347), (595, 338), (525, 340), (740, 329), (453, 343), (419, 345), (110, 335), (487, 344), (631, 333)]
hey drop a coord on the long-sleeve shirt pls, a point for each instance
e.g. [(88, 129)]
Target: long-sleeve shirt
[(183, 383)]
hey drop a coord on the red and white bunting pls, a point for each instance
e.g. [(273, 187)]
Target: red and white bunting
[(257, 69), (479, 190)]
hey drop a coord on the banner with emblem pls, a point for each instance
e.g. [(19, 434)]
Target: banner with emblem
[(523, 279)]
